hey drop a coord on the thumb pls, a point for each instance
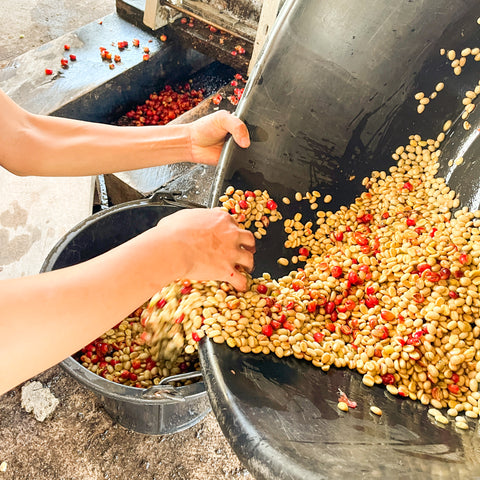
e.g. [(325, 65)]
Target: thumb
[(236, 127)]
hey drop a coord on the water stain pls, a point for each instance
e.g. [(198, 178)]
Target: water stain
[(13, 249), (15, 217)]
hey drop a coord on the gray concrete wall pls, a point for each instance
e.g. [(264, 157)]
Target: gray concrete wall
[(36, 212)]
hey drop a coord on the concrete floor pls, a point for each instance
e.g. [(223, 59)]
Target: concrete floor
[(26, 24), (80, 441)]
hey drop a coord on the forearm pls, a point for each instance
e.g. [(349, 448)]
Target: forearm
[(48, 317), (51, 146)]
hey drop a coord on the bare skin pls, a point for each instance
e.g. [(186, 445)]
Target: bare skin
[(49, 146), (49, 316)]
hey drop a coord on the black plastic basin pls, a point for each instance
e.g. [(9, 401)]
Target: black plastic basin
[(330, 99)]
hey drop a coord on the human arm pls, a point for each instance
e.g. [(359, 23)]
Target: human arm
[(51, 146), (47, 317)]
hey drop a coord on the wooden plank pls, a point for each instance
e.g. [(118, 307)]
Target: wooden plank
[(267, 19), (155, 15), (213, 16)]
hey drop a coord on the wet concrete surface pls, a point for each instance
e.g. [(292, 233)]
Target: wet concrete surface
[(80, 441)]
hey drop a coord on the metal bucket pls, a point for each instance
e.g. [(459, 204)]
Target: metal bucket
[(160, 409), (329, 101)]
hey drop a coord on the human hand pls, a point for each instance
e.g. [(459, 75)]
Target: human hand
[(208, 135), (211, 245)]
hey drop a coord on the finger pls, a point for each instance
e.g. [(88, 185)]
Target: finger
[(252, 249), (238, 280), (237, 128), (245, 260), (247, 240)]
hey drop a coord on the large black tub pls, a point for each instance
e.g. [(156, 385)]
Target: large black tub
[(331, 98)]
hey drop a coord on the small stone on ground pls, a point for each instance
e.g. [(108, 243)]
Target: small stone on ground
[(39, 400)]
